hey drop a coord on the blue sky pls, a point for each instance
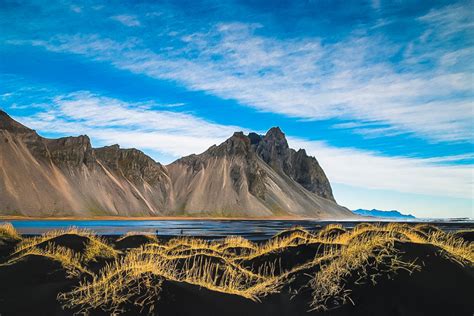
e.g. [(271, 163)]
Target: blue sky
[(380, 92)]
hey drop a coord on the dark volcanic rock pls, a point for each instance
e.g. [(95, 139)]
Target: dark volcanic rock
[(273, 149), (132, 163), (238, 144), (9, 124), (71, 152)]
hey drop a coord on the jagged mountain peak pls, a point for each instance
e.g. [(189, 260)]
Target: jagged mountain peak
[(275, 132), (246, 175), (273, 149), (237, 144)]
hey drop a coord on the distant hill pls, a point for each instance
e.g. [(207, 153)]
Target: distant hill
[(383, 214)]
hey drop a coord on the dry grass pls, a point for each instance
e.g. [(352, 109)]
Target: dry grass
[(136, 277), (69, 259), (36, 240), (374, 253), (8, 232), (97, 247), (452, 247), (149, 236)]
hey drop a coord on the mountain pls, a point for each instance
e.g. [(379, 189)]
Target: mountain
[(383, 214), (247, 175), (253, 175)]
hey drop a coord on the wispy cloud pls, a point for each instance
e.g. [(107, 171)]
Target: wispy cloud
[(304, 77), (409, 175), (126, 19), (110, 121), (450, 19)]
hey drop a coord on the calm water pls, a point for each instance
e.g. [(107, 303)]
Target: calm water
[(251, 229)]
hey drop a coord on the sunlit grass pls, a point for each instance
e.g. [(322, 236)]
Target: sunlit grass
[(149, 236), (96, 247), (36, 240), (69, 259), (136, 276), (8, 232), (99, 248), (454, 248), (375, 252)]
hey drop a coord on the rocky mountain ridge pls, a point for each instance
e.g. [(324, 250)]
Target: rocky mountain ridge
[(247, 175)]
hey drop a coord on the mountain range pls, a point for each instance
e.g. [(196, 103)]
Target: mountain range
[(383, 214), (245, 176)]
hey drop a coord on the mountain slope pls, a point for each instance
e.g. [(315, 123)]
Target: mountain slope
[(66, 176), (246, 176), (234, 179)]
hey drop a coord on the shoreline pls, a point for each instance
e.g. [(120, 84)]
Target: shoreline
[(163, 218), (194, 218)]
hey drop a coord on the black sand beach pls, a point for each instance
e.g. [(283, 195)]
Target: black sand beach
[(440, 284)]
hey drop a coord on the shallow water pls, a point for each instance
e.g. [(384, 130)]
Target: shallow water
[(210, 229)]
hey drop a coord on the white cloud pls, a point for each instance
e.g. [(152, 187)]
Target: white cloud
[(126, 19), (302, 77), (110, 121), (449, 20), (409, 175), (76, 8)]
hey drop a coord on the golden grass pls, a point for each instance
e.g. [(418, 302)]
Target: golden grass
[(36, 240), (128, 279), (149, 236), (136, 277), (97, 247), (374, 252), (236, 242), (452, 247), (118, 283), (8, 232), (69, 259)]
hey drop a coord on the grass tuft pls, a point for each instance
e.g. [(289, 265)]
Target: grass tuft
[(343, 258), (8, 232)]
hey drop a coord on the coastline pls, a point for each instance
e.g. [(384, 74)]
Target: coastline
[(160, 218)]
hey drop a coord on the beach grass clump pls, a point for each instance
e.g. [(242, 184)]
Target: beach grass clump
[(295, 231), (331, 228), (151, 237), (342, 258), (127, 279), (362, 259), (98, 247), (69, 259), (453, 247), (279, 242), (235, 242), (8, 232), (134, 279), (36, 240)]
